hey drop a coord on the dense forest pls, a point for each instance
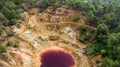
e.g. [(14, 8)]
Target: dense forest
[(102, 15)]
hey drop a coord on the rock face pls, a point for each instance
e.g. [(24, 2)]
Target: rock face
[(69, 31), (68, 13), (17, 56), (44, 17), (59, 11), (22, 57), (56, 18)]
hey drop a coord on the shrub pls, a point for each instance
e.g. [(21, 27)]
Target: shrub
[(75, 18), (20, 10), (83, 38), (11, 33), (9, 43), (2, 48), (13, 22), (82, 28), (97, 61), (16, 45), (18, 25), (118, 28), (1, 31)]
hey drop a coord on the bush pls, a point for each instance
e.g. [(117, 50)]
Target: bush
[(83, 38), (118, 28), (2, 48), (16, 45), (96, 49), (11, 33), (97, 61), (75, 18), (20, 10), (13, 22), (9, 43), (82, 28), (1, 31), (18, 25)]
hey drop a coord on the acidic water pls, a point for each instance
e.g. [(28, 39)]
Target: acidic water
[(56, 58)]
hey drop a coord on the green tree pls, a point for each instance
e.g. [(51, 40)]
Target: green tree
[(111, 20), (118, 28), (10, 5), (92, 7), (101, 33), (3, 19), (107, 62), (113, 46), (114, 39), (18, 1), (13, 22), (90, 16)]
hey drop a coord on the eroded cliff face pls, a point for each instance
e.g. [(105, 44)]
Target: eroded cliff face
[(41, 31)]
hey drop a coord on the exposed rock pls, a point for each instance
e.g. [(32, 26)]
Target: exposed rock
[(45, 38), (32, 22), (54, 38), (53, 27), (60, 11), (13, 62), (44, 17), (26, 51), (21, 57), (4, 64), (34, 11), (78, 52), (68, 12), (56, 18), (37, 42), (17, 30), (28, 34), (70, 32), (17, 56)]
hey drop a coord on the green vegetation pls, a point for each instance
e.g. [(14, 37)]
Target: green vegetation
[(82, 29), (104, 16), (9, 43), (11, 33), (75, 18), (2, 48), (16, 45)]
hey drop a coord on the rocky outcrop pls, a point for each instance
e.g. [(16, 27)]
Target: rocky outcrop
[(23, 57), (56, 18)]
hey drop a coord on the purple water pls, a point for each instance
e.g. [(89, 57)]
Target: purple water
[(56, 58)]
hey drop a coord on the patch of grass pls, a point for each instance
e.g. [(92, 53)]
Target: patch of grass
[(16, 45), (97, 61), (75, 18), (2, 48), (9, 43), (82, 28), (11, 33)]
